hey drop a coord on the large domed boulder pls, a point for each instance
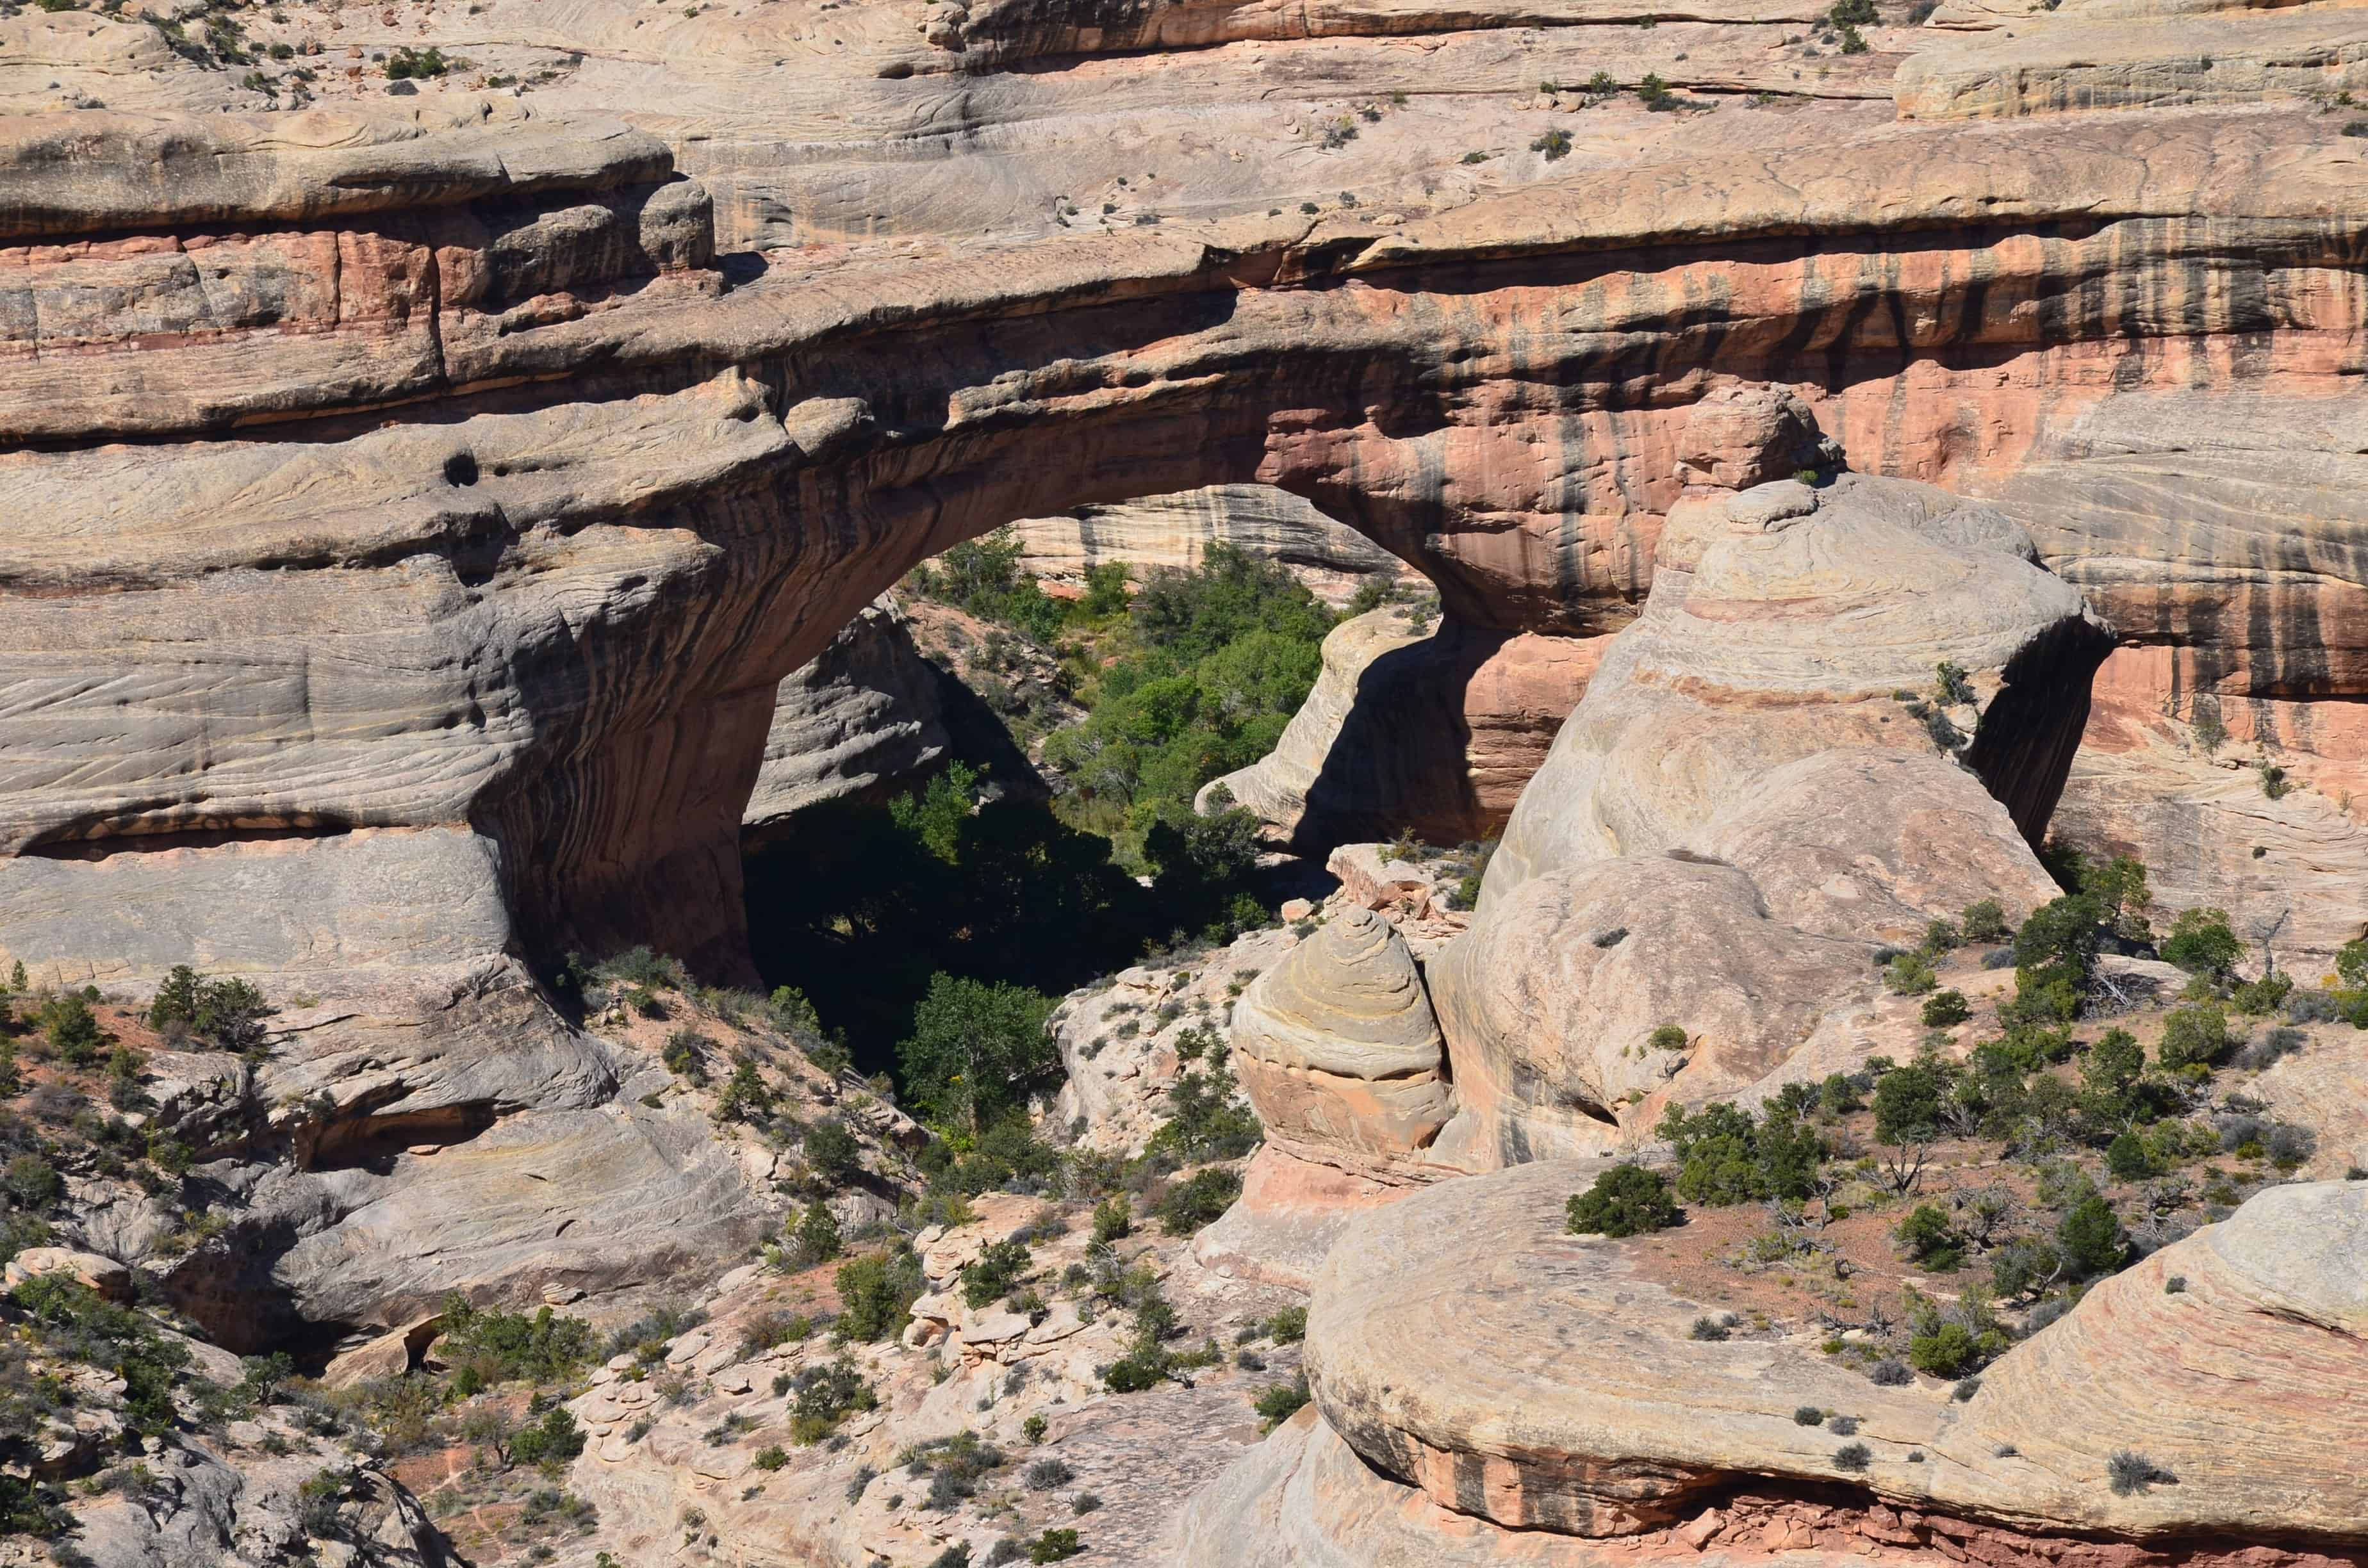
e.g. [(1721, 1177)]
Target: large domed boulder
[(1800, 620), (1843, 714), (1489, 1388)]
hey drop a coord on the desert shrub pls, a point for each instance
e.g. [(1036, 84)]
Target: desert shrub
[(2201, 943), (996, 1273), (816, 1238), (954, 1466), (1909, 974), (825, 1395), (1198, 1199), (1725, 1156), (1046, 1473), (227, 1013), (2089, 1239), (684, 1052), (2056, 952), (553, 1440), (1288, 1326), (1808, 1415), (1947, 1350), (2193, 1038), (1668, 1037), (1055, 1546), (1927, 1238), (2258, 998), (1280, 1401), (1854, 1457), (1983, 921), (2288, 1145), (833, 1154), (2128, 1159), (772, 1331), (32, 1183), (646, 1337), (876, 1293), (1625, 1200), (421, 64), (1555, 145), (499, 1347), (1944, 1009), (69, 1029), (745, 1096), (1708, 1329), (1205, 1120), (1890, 1373), (1113, 1218)]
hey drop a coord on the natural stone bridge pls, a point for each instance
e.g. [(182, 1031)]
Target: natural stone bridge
[(412, 523)]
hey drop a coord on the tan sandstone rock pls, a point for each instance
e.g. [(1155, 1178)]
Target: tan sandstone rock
[(104, 1275), (1612, 1422), (1337, 1046)]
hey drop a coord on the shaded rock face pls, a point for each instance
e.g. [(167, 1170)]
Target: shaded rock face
[(1338, 1048), (1433, 731), (1611, 1423), (858, 717), (2261, 628)]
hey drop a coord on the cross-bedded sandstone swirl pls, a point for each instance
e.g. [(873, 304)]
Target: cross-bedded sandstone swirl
[(1512, 1376), (1337, 1046)]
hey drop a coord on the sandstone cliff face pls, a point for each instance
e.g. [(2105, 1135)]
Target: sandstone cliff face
[(577, 530), (1158, 531)]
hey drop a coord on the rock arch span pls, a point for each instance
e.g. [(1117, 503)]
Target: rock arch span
[(480, 566)]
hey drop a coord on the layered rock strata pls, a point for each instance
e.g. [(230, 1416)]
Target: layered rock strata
[(574, 529), (1338, 1050), (1174, 532)]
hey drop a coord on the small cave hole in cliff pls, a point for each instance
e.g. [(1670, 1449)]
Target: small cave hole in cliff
[(1006, 810)]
